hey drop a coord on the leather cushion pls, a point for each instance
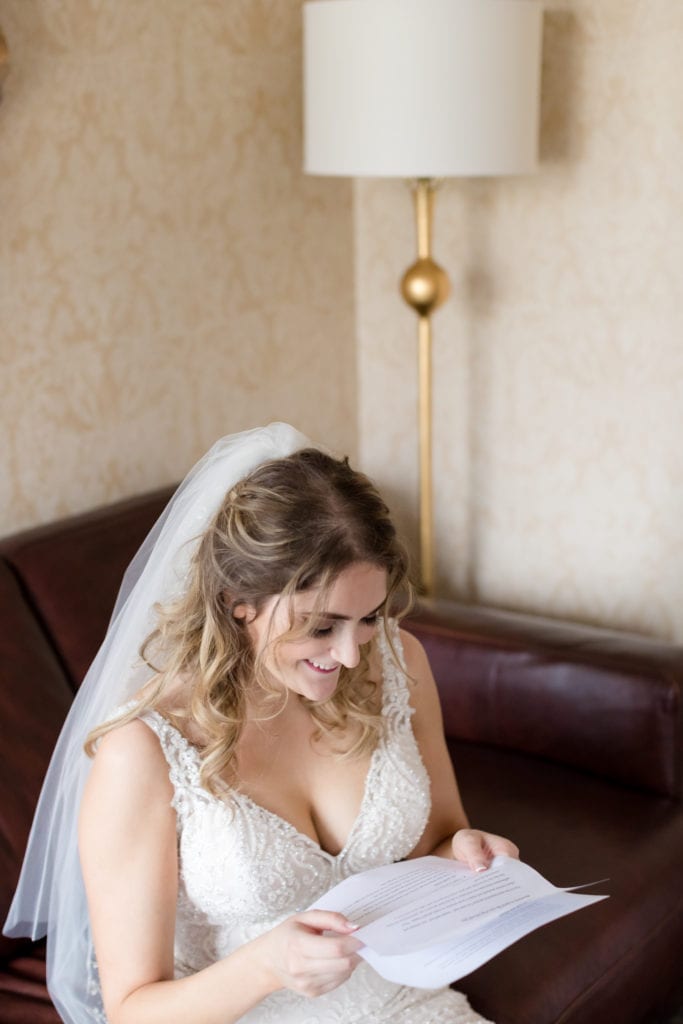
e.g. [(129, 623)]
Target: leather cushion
[(23, 996), (72, 572), (602, 701), (34, 700), (608, 962)]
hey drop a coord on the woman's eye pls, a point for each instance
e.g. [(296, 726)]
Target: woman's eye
[(321, 631)]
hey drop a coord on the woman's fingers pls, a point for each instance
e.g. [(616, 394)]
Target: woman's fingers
[(320, 963), (499, 845), (469, 846), (326, 921), (320, 943), (477, 849), (329, 947), (312, 952), (321, 979)]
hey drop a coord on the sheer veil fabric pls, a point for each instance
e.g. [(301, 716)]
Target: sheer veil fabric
[(50, 897)]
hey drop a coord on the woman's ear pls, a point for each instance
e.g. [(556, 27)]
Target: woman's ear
[(243, 612)]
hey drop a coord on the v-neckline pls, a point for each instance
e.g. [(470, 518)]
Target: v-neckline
[(245, 798), (315, 843)]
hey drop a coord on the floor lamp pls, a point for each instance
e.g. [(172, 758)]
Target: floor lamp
[(422, 89)]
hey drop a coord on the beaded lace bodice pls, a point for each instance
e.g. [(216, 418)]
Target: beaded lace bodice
[(243, 869)]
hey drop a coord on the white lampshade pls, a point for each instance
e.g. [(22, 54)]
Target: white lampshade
[(421, 88)]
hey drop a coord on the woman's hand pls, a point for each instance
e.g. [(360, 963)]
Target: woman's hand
[(298, 956), (477, 849)]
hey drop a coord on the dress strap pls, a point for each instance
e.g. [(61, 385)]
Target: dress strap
[(396, 707), (183, 760)]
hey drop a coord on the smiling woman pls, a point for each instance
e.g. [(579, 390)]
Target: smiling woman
[(278, 734)]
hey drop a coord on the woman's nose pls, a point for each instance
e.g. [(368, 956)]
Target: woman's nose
[(346, 650)]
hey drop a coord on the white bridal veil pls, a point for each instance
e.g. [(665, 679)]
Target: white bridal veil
[(50, 898)]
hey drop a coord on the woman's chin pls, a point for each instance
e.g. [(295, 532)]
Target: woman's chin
[(317, 685)]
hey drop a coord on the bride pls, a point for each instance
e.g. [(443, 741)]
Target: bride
[(256, 729)]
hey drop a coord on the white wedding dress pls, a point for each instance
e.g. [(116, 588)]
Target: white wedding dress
[(243, 869)]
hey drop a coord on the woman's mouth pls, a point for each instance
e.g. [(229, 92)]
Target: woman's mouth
[(325, 670)]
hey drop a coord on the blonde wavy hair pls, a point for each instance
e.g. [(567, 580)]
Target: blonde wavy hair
[(293, 524)]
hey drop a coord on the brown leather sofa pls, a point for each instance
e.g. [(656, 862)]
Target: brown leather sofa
[(568, 739)]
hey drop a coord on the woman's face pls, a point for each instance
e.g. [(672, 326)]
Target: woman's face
[(310, 666)]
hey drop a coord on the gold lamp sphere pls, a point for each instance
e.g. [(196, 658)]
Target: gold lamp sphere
[(425, 285)]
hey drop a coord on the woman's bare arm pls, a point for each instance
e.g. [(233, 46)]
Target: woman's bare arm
[(448, 833)]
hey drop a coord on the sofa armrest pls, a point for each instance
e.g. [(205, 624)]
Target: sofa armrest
[(603, 701)]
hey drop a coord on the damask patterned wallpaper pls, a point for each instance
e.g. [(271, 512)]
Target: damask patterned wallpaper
[(559, 357), (167, 274)]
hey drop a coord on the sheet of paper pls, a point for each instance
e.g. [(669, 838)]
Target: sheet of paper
[(374, 893), (429, 921), (465, 902), (415, 903), (448, 961)]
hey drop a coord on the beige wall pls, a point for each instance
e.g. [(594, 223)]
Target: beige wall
[(559, 358), (155, 293), (167, 274)]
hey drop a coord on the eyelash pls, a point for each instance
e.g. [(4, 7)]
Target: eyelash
[(371, 621)]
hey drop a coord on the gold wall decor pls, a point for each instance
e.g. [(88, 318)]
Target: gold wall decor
[(4, 61)]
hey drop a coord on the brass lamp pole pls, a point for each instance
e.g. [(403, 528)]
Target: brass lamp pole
[(425, 287), (4, 61)]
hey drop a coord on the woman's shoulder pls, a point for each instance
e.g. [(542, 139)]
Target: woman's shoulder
[(399, 648), (424, 696), (415, 664), (414, 654), (130, 753)]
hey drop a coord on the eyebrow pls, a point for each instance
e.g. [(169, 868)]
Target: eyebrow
[(345, 618)]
